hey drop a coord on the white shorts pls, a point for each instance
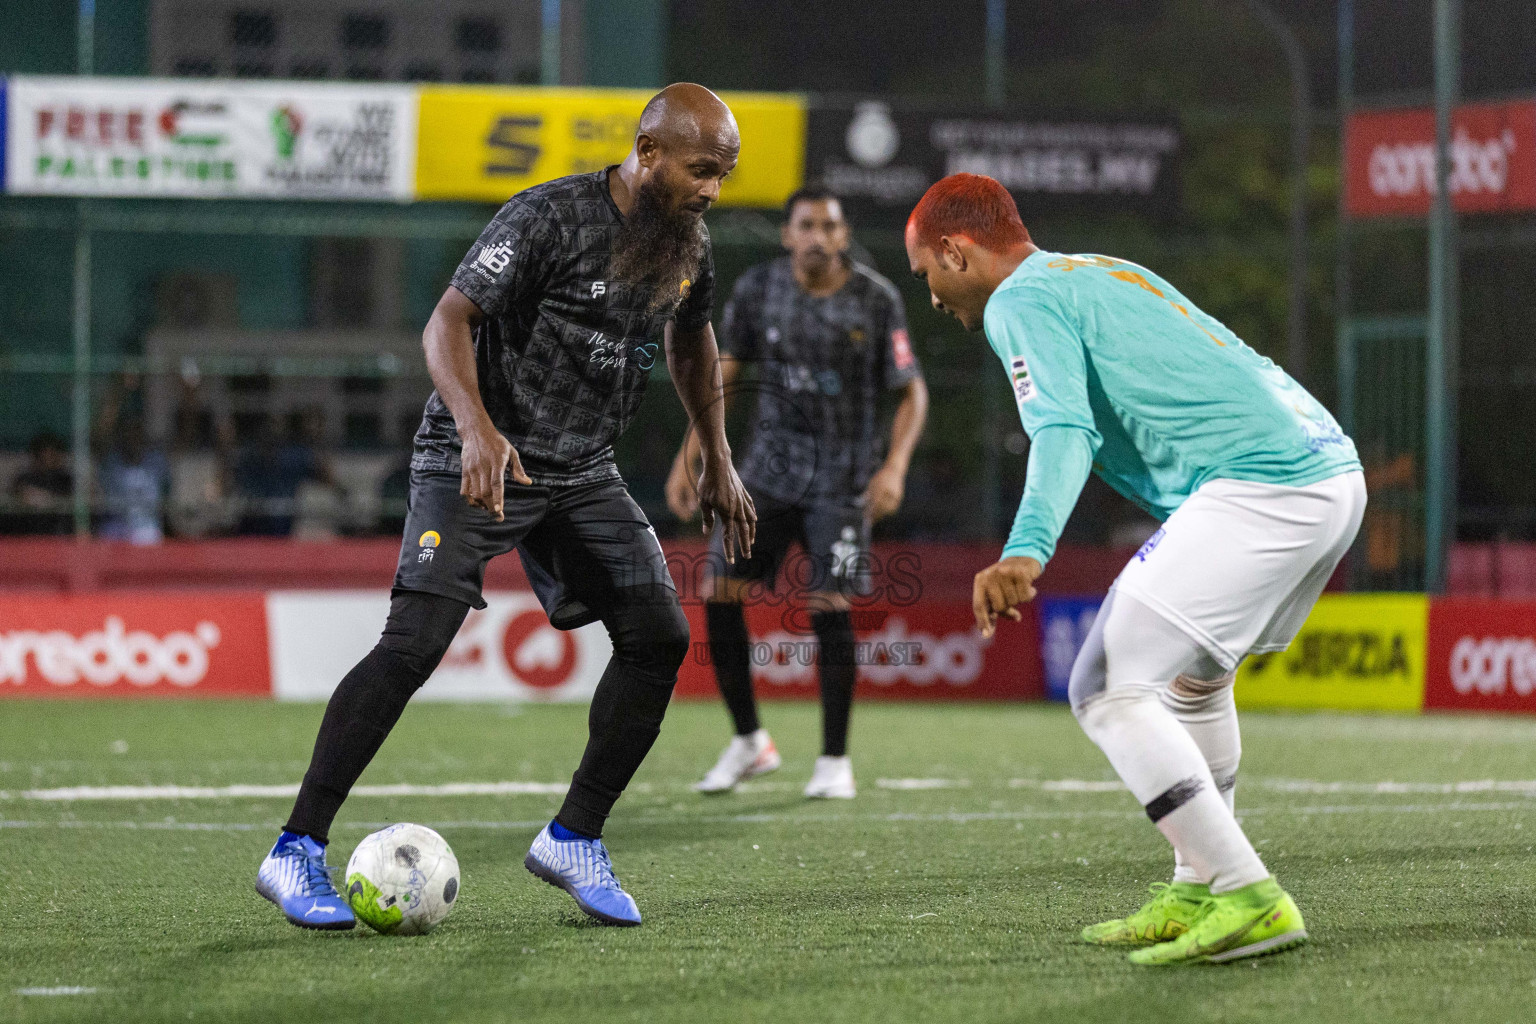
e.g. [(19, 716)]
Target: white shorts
[(1239, 565)]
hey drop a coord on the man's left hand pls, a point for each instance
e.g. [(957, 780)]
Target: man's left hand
[(884, 493), (999, 590)]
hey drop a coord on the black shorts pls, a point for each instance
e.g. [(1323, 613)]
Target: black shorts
[(833, 535), (578, 544)]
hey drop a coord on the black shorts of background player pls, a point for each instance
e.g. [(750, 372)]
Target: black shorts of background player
[(825, 337), (540, 350)]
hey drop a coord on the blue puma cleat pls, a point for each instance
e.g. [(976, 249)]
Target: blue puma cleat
[(581, 867), (294, 876)]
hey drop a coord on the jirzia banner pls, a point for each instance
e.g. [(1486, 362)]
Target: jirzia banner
[(209, 139), (1356, 652), (1389, 158)]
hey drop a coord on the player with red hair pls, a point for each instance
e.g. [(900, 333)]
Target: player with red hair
[(1115, 372)]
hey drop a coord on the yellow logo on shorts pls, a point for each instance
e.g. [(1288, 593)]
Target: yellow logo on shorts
[(430, 539)]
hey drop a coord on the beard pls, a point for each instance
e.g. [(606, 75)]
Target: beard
[(657, 249)]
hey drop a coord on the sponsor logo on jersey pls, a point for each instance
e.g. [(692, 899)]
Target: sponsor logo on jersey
[(495, 257), (599, 289), (1024, 389)]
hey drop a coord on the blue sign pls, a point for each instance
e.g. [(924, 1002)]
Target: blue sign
[(1064, 626), (4, 138)]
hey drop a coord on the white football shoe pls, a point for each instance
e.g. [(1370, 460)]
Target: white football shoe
[(744, 757), (832, 779)]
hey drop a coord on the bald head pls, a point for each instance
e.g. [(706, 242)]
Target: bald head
[(686, 145), (685, 114)]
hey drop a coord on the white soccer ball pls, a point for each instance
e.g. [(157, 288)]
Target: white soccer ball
[(403, 880)]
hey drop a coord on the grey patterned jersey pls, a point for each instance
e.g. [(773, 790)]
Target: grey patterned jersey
[(564, 352), (821, 365)]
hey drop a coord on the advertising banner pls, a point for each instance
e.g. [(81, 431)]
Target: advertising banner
[(1389, 160), (881, 158), (196, 138), (924, 651), (129, 644), (1482, 655), (486, 142), (1064, 626), (1356, 652), (508, 651)]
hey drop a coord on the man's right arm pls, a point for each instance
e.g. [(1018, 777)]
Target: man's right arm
[(450, 349), (1043, 354)]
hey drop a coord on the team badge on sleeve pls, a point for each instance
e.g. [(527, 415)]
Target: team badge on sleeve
[(901, 348), (1024, 389)]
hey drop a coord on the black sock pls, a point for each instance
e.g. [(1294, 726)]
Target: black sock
[(835, 660), (650, 640), (368, 703), (730, 651)]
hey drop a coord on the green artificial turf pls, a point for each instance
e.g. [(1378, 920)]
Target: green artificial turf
[(957, 902)]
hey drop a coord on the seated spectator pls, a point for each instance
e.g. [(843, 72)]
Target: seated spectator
[(134, 478), (40, 494), (269, 472)]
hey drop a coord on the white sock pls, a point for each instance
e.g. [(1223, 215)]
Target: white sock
[(1164, 768), (1208, 713)]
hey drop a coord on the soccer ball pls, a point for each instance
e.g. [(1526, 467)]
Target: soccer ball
[(403, 880)]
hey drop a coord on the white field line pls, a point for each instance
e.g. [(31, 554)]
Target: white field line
[(956, 818), (1525, 787), (922, 783), (58, 990), (74, 794)]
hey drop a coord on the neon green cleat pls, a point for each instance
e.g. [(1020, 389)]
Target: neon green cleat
[(1165, 916), (1252, 921)]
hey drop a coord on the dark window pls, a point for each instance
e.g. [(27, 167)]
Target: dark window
[(252, 69), (364, 31), (193, 67), (527, 76), (253, 28), (310, 69), (422, 73), (478, 35), (362, 430), (478, 75), (365, 73)]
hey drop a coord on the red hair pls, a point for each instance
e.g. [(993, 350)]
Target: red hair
[(972, 205)]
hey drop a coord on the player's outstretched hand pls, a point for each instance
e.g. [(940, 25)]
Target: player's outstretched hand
[(484, 459), (721, 494), (884, 493), (1000, 588), (682, 496)]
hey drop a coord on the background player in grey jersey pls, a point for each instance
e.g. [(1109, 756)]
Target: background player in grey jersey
[(540, 350), (826, 337)]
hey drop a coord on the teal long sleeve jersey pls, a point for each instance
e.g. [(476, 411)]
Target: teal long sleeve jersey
[(1115, 371)]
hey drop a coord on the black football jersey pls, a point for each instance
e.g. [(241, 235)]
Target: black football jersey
[(821, 362), (564, 352)]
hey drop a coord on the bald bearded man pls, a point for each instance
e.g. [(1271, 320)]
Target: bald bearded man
[(540, 350)]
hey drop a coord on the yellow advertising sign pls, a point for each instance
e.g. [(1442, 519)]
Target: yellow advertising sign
[(486, 143), (1357, 652)]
